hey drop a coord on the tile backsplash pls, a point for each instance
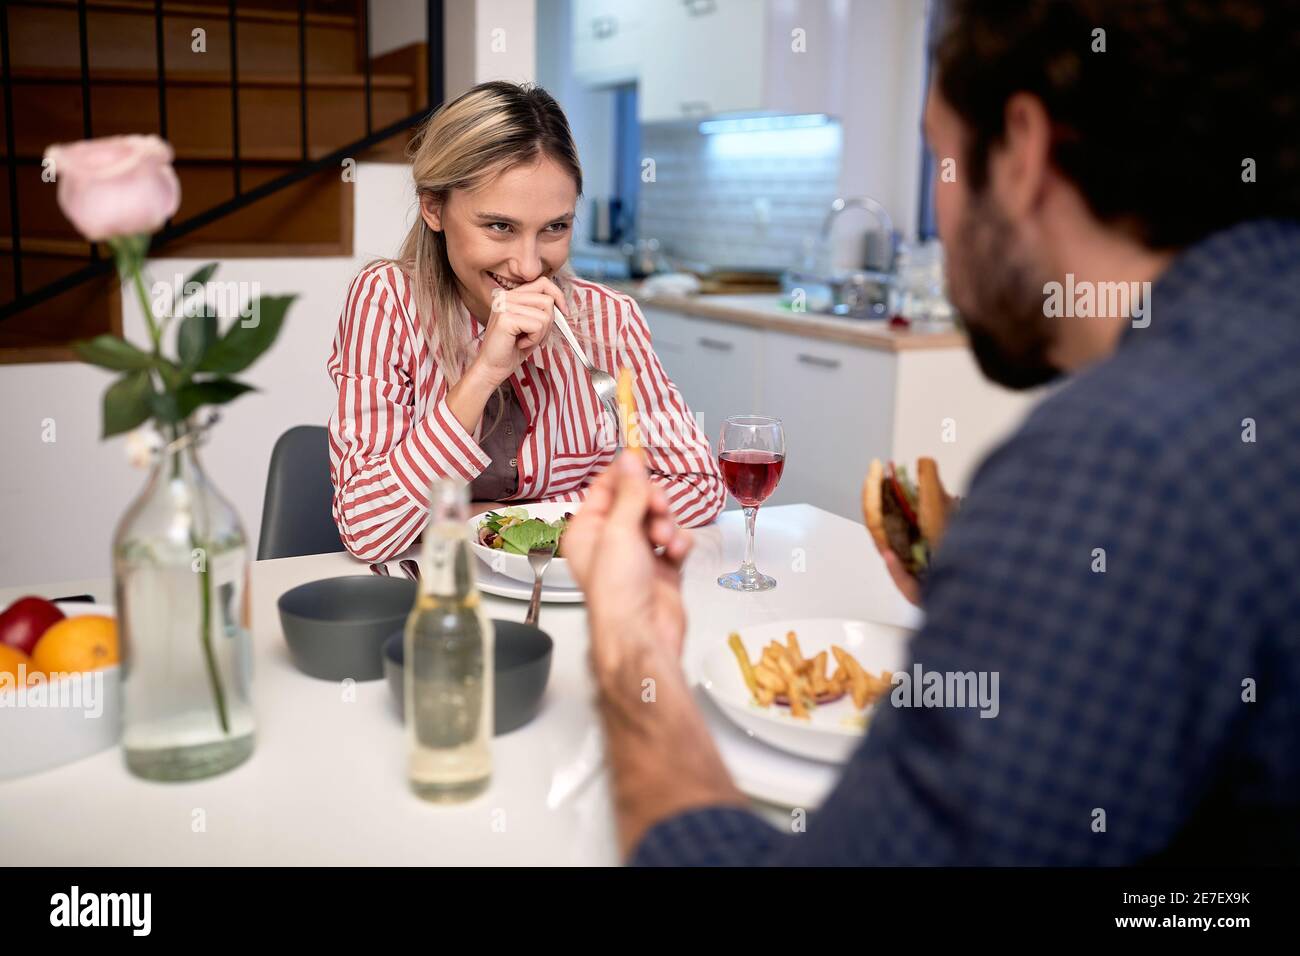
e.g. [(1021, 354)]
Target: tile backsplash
[(738, 199)]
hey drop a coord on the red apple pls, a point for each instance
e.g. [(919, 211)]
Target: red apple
[(24, 621)]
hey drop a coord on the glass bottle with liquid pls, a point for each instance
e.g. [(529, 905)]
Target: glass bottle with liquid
[(448, 654)]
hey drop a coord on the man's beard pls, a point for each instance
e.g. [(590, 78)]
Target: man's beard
[(1001, 299)]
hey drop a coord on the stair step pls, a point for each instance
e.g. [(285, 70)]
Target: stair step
[(62, 76), (312, 217), (40, 334), (56, 247), (122, 34), (269, 11), (198, 117)]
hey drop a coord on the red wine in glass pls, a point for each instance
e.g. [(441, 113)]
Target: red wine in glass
[(751, 476), (751, 455)]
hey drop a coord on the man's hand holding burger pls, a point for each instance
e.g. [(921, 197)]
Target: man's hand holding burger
[(906, 521)]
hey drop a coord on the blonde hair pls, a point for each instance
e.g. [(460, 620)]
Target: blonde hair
[(492, 128)]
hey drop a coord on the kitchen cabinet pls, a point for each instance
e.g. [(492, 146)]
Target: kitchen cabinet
[(842, 404), (669, 334), (698, 58), (835, 403), (715, 365), (725, 365), (701, 57), (947, 409), (607, 38)]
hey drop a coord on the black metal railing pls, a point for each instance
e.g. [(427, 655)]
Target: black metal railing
[(305, 167)]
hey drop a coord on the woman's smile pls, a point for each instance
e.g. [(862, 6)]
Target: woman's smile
[(502, 281)]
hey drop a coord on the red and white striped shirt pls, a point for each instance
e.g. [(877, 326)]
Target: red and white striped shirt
[(392, 433)]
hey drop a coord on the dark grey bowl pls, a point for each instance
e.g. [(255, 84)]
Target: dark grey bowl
[(336, 627), (521, 656)]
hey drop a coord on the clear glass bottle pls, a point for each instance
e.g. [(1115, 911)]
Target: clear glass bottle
[(448, 654), (180, 578)]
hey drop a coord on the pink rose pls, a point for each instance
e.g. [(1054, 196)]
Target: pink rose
[(116, 186)]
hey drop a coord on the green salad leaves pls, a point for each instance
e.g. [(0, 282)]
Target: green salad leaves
[(511, 530)]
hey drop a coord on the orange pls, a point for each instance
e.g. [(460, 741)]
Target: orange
[(10, 658), (84, 643)]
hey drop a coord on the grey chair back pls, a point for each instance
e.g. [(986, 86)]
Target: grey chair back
[(297, 515)]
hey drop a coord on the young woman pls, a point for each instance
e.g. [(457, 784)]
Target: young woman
[(445, 360)]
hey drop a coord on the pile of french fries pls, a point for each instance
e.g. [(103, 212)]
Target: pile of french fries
[(783, 672)]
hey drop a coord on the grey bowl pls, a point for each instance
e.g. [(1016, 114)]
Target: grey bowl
[(336, 627), (521, 657)]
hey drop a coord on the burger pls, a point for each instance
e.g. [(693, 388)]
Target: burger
[(908, 519)]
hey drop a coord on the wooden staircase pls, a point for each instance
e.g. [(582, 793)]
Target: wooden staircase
[(286, 56)]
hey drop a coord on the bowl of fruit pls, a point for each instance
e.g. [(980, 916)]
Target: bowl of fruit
[(60, 691)]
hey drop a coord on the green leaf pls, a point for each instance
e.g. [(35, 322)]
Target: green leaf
[(215, 391), (127, 403), (920, 555), (173, 377), (109, 351), (518, 538), (165, 408), (201, 276), (242, 344), (196, 335)]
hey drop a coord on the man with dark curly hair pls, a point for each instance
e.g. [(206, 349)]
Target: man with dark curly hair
[(1123, 211)]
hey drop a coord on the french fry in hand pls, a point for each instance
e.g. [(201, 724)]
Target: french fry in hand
[(627, 411)]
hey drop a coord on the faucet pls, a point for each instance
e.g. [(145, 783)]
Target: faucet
[(871, 206)]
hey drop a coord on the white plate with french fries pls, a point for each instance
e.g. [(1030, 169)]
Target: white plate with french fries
[(809, 686)]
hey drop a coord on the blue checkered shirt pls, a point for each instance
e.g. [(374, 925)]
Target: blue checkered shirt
[(1149, 712)]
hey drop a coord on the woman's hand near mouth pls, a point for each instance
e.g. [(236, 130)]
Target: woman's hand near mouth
[(519, 322)]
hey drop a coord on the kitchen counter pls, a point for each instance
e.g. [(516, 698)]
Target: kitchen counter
[(895, 394), (767, 312)]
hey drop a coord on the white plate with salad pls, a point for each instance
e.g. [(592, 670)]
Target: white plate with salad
[(501, 538)]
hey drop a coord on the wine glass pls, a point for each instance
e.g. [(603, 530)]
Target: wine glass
[(751, 454)]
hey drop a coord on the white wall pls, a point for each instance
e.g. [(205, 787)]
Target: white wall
[(590, 112), (879, 47), (397, 23), (488, 40), (60, 501)]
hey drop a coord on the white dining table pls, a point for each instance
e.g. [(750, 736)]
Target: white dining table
[(326, 784)]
